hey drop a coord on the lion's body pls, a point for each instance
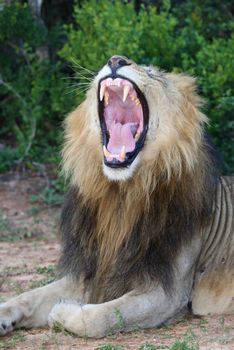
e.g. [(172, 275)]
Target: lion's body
[(148, 256), (145, 232), (213, 291)]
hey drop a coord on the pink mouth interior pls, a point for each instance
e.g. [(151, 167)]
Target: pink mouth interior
[(124, 119)]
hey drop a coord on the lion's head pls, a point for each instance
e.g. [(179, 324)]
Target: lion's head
[(134, 118)]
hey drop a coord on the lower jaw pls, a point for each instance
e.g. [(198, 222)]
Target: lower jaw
[(123, 164), (120, 173)]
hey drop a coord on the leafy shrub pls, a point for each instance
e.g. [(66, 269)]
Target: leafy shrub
[(214, 66), (105, 28), (33, 96)]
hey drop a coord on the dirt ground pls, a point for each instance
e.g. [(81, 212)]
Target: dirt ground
[(29, 250)]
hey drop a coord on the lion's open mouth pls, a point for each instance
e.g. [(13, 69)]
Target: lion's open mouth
[(123, 113)]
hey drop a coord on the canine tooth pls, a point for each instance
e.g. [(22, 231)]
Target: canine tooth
[(123, 153), (106, 152), (102, 91), (125, 92)]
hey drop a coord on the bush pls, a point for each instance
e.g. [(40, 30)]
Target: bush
[(105, 28), (214, 66), (33, 96)]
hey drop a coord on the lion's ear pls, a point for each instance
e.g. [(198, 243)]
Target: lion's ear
[(188, 88)]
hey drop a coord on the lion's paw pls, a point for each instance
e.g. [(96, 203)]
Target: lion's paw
[(9, 318), (82, 320), (62, 312)]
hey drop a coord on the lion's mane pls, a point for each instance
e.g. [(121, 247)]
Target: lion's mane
[(119, 234)]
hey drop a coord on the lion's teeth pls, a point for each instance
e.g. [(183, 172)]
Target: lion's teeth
[(137, 102), (125, 92), (107, 154), (123, 153), (137, 136), (102, 91), (106, 99)]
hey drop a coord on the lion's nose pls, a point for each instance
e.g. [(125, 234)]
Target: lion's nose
[(115, 62)]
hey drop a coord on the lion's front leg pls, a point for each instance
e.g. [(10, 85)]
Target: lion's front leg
[(131, 311), (137, 309), (31, 309)]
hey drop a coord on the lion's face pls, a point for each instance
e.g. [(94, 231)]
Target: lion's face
[(135, 121), (142, 112)]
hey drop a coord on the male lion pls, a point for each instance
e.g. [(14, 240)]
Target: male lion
[(147, 224)]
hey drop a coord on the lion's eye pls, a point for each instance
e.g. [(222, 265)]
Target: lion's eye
[(151, 72)]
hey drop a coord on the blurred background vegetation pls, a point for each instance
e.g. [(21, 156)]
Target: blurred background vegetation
[(43, 45)]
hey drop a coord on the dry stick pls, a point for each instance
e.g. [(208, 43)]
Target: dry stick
[(34, 122)]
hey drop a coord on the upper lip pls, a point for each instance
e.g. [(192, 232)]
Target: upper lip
[(123, 158)]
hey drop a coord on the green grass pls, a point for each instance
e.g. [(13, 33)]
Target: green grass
[(147, 347), (183, 345), (4, 224), (119, 325), (110, 347), (178, 345), (9, 232), (49, 272), (10, 343)]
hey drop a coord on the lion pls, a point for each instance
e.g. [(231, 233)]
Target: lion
[(147, 225)]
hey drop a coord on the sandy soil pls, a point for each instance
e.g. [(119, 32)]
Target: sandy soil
[(29, 250)]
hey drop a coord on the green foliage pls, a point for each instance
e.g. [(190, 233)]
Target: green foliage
[(215, 68), (210, 18), (192, 36), (117, 29), (17, 22), (32, 92)]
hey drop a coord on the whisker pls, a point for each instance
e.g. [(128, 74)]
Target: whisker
[(78, 84), (77, 92), (81, 67), (77, 87), (74, 81), (83, 76)]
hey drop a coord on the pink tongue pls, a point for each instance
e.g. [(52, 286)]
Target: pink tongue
[(121, 135)]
